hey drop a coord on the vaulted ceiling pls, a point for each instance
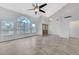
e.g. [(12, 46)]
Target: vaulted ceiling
[(50, 9)]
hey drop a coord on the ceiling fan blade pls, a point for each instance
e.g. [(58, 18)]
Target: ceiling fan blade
[(41, 6), (30, 9), (42, 11), (33, 5)]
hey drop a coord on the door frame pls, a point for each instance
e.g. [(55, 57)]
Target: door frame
[(44, 29)]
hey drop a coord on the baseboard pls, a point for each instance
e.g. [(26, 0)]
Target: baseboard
[(18, 38)]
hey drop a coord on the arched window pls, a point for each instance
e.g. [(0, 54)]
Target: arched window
[(23, 25), (7, 27)]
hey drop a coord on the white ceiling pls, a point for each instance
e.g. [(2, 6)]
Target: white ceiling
[(50, 9)]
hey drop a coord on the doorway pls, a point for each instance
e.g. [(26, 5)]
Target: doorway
[(44, 29)]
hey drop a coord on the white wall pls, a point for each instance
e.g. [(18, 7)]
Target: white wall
[(58, 27), (54, 27), (61, 26), (41, 20)]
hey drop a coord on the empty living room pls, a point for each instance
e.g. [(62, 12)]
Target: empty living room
[(39, 28)]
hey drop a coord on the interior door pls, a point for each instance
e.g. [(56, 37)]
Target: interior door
[(44, 29)]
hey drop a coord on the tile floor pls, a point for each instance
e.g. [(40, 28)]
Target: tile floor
[(38, 45)]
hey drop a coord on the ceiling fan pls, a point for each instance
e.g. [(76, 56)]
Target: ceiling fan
[(37, 8)]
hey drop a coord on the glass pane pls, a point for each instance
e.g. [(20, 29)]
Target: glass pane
[(7, 28), (23, 25)]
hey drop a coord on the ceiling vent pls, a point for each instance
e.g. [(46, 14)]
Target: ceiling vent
[(68, 17)]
